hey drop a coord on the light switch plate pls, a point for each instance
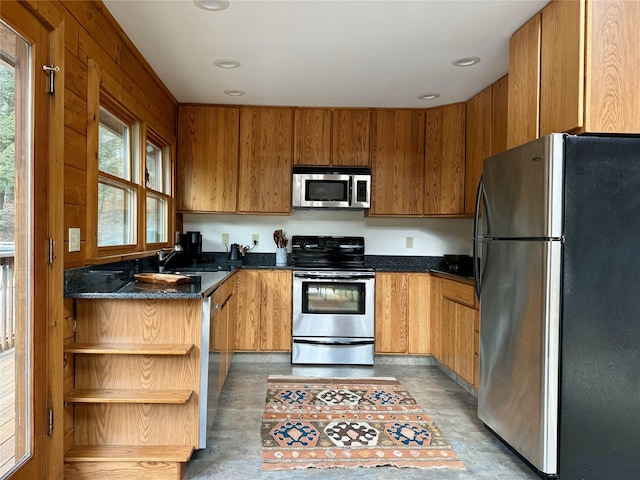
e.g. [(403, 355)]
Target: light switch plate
[(74, 239)]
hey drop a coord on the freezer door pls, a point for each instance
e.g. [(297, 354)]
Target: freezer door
[(519, 331), (522, 194)]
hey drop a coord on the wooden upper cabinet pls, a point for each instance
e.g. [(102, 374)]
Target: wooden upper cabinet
[(350, 137), (207, 158), (266, 157), (397, 162), (326, 136), (445, 159), (524, 83), (499, 112), (479, 114), (562, 66), (312, 136)]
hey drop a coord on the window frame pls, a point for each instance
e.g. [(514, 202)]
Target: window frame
[(99, 96)]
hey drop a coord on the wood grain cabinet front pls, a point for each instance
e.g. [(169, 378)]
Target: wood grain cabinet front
[(573, 68)]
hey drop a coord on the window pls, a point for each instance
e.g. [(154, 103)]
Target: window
[(116, 182), (158, 191)]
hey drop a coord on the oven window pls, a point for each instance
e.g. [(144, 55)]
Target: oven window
[(333, 298), (327, 190)]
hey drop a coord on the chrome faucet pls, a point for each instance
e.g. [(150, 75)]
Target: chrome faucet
[(166, 254)]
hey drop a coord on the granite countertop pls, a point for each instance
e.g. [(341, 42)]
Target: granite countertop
[(121, 285)]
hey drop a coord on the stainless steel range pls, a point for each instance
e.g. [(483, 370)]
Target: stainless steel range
[(333, 302)]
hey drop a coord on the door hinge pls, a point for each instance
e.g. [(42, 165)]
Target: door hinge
[(52, 69), (50, 425), (51, 253)]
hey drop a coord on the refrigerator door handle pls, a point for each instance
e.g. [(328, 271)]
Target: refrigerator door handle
[(476, 268)]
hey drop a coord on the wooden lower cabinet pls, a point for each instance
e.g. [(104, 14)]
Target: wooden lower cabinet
[(223, 327), (402, 313), (264, 310), (455, 327)]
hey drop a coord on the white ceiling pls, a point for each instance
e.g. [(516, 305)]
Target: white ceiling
[(325, 53)]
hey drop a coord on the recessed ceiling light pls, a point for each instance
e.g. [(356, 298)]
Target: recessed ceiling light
[(211, 4), (234, 93), (226, 63), (465, 61), (428, 96)]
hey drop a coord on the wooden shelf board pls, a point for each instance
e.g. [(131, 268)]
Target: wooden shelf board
[(128, 396), (130, 348), (129, 453)]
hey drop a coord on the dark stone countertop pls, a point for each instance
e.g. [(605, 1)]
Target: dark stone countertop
[(116, 280)]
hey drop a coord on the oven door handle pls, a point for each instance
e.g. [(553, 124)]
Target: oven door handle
[(334, 277), (333, 342)]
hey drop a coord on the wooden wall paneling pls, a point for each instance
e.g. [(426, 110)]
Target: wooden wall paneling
[(524, 83), (562, 67), (75, 148), (312, 136), (397, 159), (75, 185), (445, 158), (478, 143), (75, 216), (499, 115), (419, 309), (266, 157), (207, 165), (75, 75), (72, 37), (350, 144), (75, 112), (613, 67)]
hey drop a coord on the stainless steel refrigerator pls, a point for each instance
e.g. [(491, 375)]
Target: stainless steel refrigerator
[(557, 234)]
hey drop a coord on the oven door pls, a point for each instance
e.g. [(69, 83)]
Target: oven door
[(333, 304)]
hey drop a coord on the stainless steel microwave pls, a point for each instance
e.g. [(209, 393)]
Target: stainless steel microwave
[(331, 187)]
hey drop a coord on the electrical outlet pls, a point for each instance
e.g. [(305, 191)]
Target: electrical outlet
[(74, 239), (409, 242), (225, 239), (255, 238)]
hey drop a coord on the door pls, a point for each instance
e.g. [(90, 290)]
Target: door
[(519, 346), (25, 300)]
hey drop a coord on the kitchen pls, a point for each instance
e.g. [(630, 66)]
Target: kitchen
[(384, 235)]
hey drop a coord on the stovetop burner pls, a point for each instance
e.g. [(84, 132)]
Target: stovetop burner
[(327, 252)]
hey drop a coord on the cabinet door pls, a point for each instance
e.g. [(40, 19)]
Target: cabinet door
[(464, 349), (207, 158), (391, 321), (448, 333), (479, 114), (266, 157), (562, 67), (499, 112), (275, 310), (397, 161), (524, 83), (350, 137), (445, 158), (419, 305), (248, 311), (312, 136)]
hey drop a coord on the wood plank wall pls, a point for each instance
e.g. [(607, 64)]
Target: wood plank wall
[(92, 33)]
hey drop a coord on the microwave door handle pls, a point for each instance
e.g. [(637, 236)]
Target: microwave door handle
[(350, 191)]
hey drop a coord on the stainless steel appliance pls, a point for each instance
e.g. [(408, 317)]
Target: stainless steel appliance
[(333, 302), (331, 187), (557, 228)]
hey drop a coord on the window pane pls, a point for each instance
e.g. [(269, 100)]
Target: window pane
[(113, 146), (16, 251), (154, 174), (156, 219), (116, 215)]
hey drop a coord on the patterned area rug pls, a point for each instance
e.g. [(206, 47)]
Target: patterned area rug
[(348, 422)]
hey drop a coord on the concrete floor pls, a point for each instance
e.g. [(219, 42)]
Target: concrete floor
[(235, 447)]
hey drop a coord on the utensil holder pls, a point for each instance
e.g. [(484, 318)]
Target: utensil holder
[(281, 257)]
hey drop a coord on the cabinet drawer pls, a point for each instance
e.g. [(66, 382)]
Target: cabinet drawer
[(459, 292)]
